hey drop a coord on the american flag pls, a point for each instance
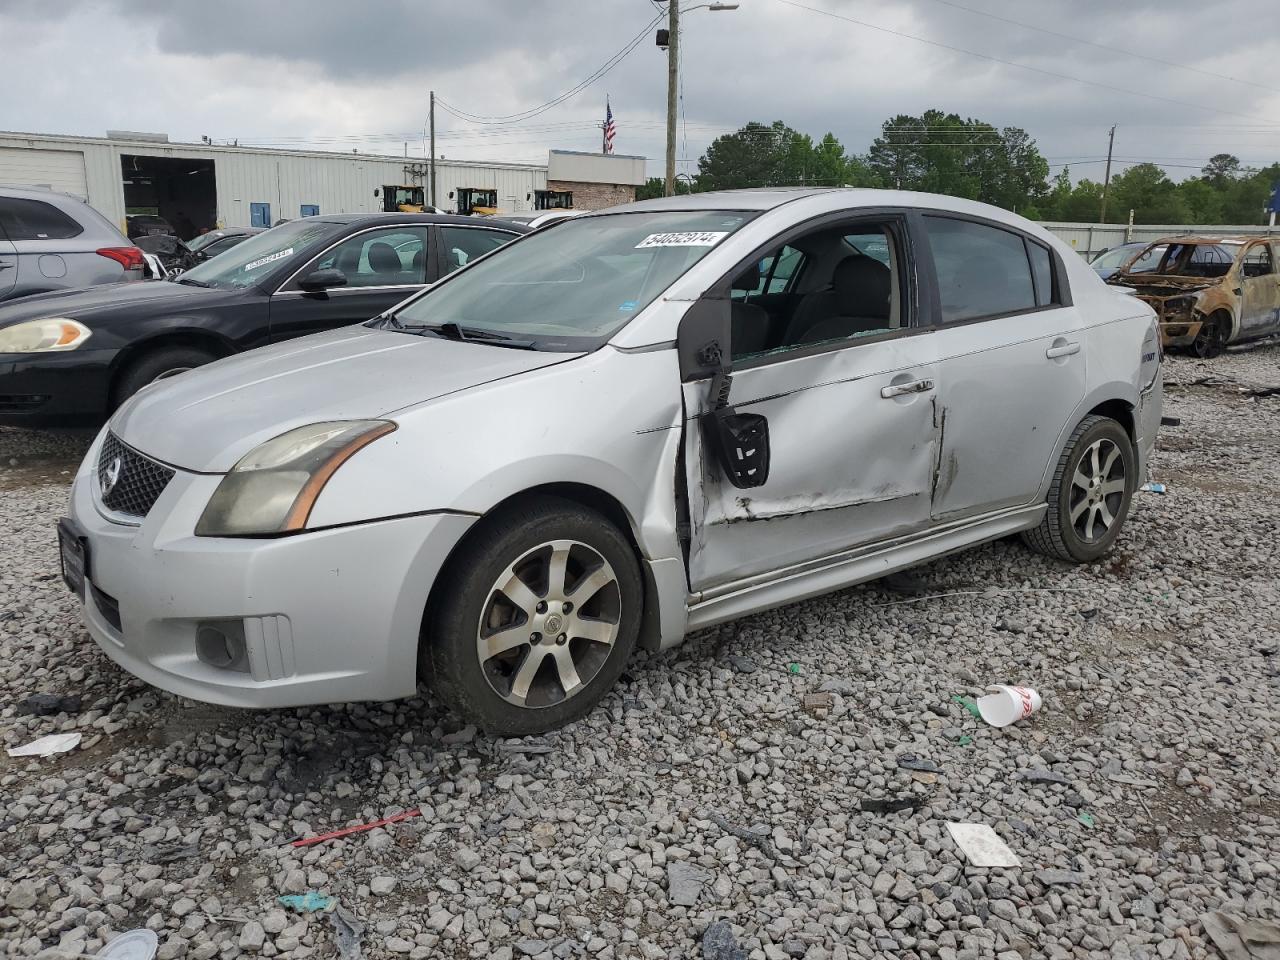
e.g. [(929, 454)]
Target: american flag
[(610, 128)]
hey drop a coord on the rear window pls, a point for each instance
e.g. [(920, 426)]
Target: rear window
[(23, 219)]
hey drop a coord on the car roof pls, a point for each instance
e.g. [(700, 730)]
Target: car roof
[(1203, 238), (442, 218), (837, 199), (764, 198), (37, 193)]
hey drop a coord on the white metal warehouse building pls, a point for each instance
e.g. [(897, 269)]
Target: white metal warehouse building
[(215, 185)]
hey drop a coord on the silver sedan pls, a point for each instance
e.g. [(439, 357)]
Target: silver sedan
[(631, 425)]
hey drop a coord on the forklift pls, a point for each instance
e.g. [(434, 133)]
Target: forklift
[(477, 201), (403, 199)]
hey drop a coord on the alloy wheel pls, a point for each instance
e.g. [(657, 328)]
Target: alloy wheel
[(1211, 340), (1097, 490), (549, 624)]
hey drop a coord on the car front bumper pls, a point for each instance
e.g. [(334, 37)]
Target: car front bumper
[(328, 616), (1180, 333), (54, 389)]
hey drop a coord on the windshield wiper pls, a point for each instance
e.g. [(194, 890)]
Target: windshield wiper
[(192, 283), (453, 331)]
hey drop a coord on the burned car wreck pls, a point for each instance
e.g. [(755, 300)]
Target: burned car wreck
[(1208, 291)]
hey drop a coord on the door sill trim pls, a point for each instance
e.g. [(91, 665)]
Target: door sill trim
[(816, 577)]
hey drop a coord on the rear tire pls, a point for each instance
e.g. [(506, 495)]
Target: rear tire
[(156, 365), (534, 618), (1093, 484)]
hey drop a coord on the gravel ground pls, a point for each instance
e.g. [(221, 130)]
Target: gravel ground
[(1141, 795)]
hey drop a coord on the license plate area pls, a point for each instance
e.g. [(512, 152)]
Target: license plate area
[(73, 554)]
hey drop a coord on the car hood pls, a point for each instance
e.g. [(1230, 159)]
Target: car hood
[(207, 419), (1165, 284), (135, 298)]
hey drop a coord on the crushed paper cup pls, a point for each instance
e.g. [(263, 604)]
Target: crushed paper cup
[(138, 944), (1008, 705), (47, 746)]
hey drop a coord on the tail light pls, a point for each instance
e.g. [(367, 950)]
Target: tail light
[(128, 257)]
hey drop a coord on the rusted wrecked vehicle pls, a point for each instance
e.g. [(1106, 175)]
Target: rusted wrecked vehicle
[(1208, 291)]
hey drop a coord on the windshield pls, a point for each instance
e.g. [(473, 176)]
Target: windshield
[(247, 263), (203, 240), (1199, 259), (1113, 258), (573, 287)]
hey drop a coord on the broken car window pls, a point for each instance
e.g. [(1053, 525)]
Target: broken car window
[(1199, 259), (851, 285), (1257, 262)]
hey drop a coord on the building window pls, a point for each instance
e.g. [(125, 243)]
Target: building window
[(553, 200)]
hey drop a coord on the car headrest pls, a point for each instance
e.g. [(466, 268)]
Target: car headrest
[(862, 287), (383, 258)]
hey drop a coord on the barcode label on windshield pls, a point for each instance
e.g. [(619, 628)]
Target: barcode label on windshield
[(705, 238), (255, 264)]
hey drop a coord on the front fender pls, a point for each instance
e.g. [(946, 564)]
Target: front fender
[(611, 421)]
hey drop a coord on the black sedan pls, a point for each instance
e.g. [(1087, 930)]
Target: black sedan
[(214, 242), (71, 357)]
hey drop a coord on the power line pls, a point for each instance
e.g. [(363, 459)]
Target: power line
[(1104, 46), (1012, 63), (532, 112)]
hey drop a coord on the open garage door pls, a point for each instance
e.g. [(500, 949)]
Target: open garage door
[(169, 194), (61, 170)]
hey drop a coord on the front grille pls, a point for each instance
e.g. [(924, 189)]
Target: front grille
[(21, 402), (130, 483)]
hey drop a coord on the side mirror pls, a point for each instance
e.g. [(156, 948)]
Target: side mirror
[(741, 444), (323, 279), (703, 340)]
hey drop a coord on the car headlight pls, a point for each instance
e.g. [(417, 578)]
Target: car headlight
[(274, 486), (43, 336)]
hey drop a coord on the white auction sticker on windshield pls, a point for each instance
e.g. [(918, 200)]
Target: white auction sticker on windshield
[(701, 238), (255, 264)]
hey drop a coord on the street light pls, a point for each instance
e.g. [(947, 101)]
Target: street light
[(673, 79)]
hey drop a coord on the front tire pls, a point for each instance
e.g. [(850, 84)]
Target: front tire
[(156, 365), (534, 619), (1212, 338), (1089, 498)]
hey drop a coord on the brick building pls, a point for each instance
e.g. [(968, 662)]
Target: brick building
[(595, 180)]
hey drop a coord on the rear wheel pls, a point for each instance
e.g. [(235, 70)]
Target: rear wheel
[(1212, 338), (1093, 484), (534, 619), (157, 365)]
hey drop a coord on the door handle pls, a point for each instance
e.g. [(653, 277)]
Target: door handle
[(902, 389), (6, 266), (1063, 350)]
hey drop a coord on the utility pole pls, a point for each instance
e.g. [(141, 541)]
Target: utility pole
[(673, 84), (431, 119), (1106, 180)]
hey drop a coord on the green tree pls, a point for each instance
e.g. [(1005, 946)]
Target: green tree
[(760, 155), (755, 156), (1082, 204), (943, 153), (1146, 190), (1202, 200), (656, 187), (1221, 168)]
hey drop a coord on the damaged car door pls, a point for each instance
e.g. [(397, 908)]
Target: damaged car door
[(1259, 291), (832, 403)]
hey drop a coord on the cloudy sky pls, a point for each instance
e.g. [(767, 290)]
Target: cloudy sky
[(343, 75)]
